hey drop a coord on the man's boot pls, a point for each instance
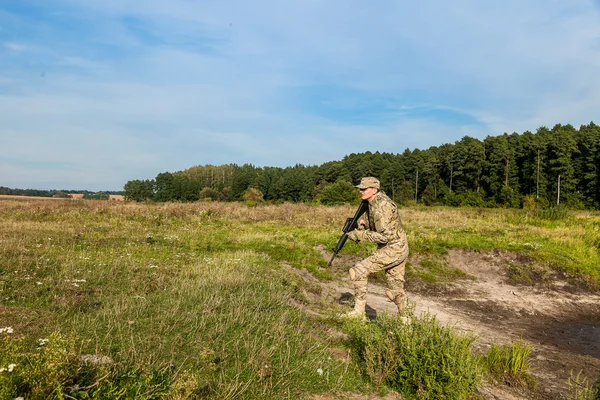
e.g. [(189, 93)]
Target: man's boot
[(400, 302), (359, 310)]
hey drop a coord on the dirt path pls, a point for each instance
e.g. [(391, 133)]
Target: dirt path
[(561, 324)]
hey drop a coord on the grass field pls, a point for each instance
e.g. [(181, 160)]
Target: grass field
[(191, 301)]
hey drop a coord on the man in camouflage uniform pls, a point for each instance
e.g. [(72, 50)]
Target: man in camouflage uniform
[(382, 225)]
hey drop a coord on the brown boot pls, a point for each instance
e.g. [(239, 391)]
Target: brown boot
[(400, 302), (359, 310)]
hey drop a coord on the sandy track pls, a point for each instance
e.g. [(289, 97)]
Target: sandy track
[(561, 324)]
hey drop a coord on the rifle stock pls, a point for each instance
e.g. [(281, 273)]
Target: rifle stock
[(350, 225)]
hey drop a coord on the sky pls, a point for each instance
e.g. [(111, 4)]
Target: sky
[(96, 93)]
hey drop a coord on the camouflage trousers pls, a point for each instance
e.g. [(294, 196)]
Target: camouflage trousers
[(392, 259)]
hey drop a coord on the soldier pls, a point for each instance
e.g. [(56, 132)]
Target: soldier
[(384, 227)]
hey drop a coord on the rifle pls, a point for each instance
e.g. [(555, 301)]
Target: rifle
[(350, 225)]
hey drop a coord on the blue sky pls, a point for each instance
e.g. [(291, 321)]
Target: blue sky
[(98, 92)]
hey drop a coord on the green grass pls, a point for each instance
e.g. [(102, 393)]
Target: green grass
[(509, 364), (190, 300), (581, 389), (165, 293), (433, 271), (568, 244)]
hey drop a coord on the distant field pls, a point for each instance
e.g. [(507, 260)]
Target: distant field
[(75, 196), (9, 196)]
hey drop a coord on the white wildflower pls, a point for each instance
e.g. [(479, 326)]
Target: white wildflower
[(320, 371), (42, 342), (7, 329)]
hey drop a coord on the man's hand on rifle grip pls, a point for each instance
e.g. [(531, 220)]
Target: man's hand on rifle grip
[(356, 235)]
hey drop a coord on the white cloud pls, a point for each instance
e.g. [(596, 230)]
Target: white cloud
[(15, 47)]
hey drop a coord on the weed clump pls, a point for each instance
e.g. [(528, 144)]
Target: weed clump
[(419, 359), (525, 275), (581, 389), (38, 373), (434, 271), (510, 364)]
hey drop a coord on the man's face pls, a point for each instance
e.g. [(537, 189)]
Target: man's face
[(368, 193)]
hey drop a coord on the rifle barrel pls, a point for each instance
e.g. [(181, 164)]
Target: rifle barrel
[(351, 223)]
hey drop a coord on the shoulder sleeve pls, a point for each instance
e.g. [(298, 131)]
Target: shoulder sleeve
[(385, 217)]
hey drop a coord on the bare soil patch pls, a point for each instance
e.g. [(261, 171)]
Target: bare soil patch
[(557, 318)]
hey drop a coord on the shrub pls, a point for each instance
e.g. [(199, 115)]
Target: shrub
[(451, 199), (509, 197), (419, 359), (575, 201), (61, 195), (529, 204), (340, 192), (471, 198), (210, 194), (253, 196)]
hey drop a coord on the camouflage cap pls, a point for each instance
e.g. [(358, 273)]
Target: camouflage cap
[(368, 182)]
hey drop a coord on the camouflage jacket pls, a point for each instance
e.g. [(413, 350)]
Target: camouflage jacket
[(382, 224)]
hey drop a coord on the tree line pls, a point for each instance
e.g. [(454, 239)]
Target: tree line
[(61, 194), (551, 166)]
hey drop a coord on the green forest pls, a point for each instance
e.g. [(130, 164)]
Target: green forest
[(558, 166)]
